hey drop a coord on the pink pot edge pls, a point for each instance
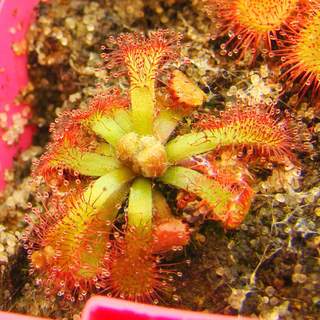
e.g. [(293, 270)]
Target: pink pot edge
[(103, 308), (15, 18)]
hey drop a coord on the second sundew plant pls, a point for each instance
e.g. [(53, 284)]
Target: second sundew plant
[(106, 225)]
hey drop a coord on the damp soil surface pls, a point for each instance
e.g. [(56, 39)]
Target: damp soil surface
[(269, 267)]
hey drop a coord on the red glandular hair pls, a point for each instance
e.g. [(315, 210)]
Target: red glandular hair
[(72, 130), (68, 253), (135, 271), (257, 132), (252, 25), (300, 53), (102, 105), (66, 133), (140, 56)]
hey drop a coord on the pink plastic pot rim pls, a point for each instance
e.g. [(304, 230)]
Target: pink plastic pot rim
[(99, 308), (104, 308), (15, 18)]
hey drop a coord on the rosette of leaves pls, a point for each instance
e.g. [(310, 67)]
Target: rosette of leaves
[(104, 165)]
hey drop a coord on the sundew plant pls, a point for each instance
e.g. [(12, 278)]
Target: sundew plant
[(106, 225)]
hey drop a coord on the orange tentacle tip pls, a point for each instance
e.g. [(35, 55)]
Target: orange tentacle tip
[(140, 56), (300, 54), (70, 131), (58, 234), (135, 271), (266, 134), (252, 26), (66, 133), (102, 104)]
